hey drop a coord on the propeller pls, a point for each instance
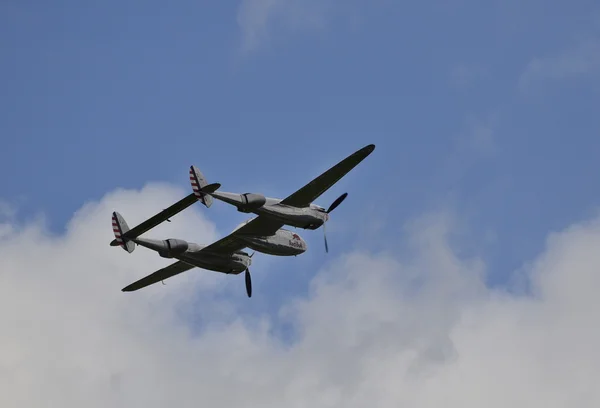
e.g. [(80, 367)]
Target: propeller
[(325, 238), (332, 207), (337, 202), (248, 283), (249, 279)]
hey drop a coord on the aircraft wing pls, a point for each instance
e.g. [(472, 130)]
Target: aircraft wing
[(258, 226), (162, 274), (159, 218), (310, 192)]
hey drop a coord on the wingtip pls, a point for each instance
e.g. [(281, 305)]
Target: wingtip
[(365, 151), (132, 287)]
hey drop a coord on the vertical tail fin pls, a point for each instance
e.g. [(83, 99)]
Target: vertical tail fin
[(120, 227), (198, 182)]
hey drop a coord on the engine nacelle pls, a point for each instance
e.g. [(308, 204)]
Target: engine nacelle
[(251, 201), (174, 247)]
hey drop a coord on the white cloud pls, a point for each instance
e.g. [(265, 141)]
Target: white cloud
[(7, 210), (582, 59), (258, 19), (377, 330)]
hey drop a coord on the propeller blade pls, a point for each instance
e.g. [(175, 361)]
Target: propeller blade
[(248, 283), (337, 202), (325, 237)]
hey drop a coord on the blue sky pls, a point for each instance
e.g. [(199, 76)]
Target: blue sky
[(485, 117), (488, 110)]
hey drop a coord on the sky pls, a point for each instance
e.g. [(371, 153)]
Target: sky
[(463, 265)]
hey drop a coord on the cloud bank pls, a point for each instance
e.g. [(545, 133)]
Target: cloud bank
[(417, 330)]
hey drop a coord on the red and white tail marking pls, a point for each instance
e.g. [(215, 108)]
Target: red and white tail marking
[(195, 184), (117, 230), (201, 188)]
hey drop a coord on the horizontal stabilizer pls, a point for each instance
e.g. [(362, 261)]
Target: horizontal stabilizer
[(210, 188)]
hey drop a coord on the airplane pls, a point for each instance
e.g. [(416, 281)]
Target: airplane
[(263, 233), (295, 210), (225, 255)]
